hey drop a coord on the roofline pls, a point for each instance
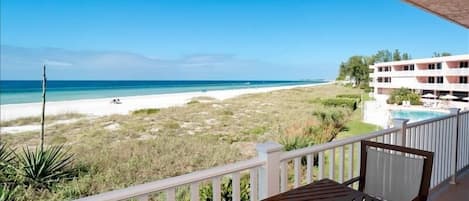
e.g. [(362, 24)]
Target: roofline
[(424, 60), (411, 2)]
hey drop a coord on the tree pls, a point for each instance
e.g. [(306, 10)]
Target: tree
[(382, 56), (396, 56), (343, 71), (405, 56), (443, 54)]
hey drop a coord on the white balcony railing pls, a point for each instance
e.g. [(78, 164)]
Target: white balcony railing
[(447, 137)]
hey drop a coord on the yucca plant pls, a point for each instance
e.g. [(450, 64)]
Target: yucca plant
[(6, 156), (7, 193), (43, 167)]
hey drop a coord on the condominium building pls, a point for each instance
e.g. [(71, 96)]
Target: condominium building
[(439, 76)]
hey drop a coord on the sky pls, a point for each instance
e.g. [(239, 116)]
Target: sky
[(210, 40)]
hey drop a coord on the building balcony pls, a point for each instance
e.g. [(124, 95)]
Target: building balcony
[(424, 86), (274, 171)]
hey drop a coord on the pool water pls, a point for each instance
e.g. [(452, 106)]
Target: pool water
[(416, 115)]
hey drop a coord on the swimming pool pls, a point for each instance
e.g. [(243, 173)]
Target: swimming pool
[(416, 115)]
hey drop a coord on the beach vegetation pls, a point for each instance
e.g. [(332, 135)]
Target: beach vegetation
[(118, 151), (147, 111), (172, 125), (37, 119), (43, 167), (351, 96), (341, 102), (206, 191), (193, 102), (397, 96)]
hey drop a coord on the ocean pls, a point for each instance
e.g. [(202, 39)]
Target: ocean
[(13, 91)]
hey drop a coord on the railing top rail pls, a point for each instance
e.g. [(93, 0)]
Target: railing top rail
[(426, 121), (172, 182), (337, 143)]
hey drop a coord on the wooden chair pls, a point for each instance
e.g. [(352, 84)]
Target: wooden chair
[(394, 173)]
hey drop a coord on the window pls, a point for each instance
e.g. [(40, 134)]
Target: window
[(412, 67), (463, 79), (464, 64), (380, 69), (439, 79), (406, 67), (431, 66), (438, 66), (431, 79), (380, 79)]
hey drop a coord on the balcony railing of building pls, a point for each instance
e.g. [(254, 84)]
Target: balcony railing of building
[(274, 171)]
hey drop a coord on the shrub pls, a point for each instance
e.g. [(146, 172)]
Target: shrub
[(351, 96), (43, 167), (146, 111), (340, 102), (193, 102), (404, 94), (296, 142), (332, 121), (206, 191)]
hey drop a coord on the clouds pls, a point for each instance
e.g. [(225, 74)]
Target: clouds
[(25, 63)]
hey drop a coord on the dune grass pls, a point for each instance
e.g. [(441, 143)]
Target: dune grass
[(37, 119), (117, 151)]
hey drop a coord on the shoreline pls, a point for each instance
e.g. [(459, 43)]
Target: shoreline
[(102, 106)]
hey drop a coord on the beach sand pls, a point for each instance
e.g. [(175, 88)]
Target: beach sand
[(103, 106)]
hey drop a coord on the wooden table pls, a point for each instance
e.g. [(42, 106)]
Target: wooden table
[(322, 190)]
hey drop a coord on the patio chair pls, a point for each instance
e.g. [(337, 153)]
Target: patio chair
[(394, 173)]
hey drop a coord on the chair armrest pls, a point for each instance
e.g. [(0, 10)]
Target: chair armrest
[(351, 181)]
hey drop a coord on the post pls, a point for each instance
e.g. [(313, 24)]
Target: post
[(44, 85), (269, 174), (454, 151), (402, 124)]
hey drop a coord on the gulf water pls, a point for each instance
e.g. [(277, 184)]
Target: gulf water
[(15, 91)]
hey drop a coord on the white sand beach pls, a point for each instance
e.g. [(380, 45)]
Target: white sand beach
[(103, 106)]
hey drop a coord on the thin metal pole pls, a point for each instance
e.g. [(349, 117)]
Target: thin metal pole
[(44, 85)]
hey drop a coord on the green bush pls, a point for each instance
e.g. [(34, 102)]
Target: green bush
[(352, 96), (404, 94), (206, 191), (146, 111), (340, 102), (296, 142), (193, 102)]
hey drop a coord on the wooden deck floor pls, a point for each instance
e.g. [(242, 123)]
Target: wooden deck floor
[(457, 192)]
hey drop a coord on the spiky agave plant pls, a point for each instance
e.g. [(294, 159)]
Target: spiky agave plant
[(6, 163), (6, 155), (44, 167), (7, 193)]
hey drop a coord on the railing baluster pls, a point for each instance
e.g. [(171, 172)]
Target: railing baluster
[(350, 168), (171, 194), (195, 191), (283, 176), (253, 181), (331, 163), (142, 197), (236, 186), (341, 164), (309, 168), (216, 186), (321, 165), (297, 166)]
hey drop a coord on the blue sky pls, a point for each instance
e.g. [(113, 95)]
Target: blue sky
[(211, 39)]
